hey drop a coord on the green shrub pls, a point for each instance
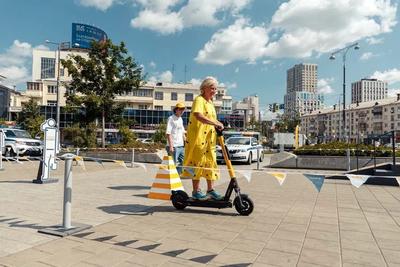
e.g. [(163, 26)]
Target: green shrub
[(339, 149)]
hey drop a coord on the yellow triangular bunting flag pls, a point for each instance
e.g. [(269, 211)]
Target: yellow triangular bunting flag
[(280, 176)]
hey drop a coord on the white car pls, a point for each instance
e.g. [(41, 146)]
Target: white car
[(242, 149), (16, 139)]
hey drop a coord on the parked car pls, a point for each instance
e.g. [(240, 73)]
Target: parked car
[(16, 139), (145, 140), (242, 149)]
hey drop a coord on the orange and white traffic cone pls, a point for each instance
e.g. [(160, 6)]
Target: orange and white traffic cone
[(167, 179)]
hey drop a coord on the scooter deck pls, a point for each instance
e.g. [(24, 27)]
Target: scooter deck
[(209, 203)]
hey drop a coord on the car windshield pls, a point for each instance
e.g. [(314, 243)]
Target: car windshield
[(238, 141), (17, 134)]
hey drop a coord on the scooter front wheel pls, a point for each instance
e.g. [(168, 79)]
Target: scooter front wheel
[(247, 206), (179, 199)]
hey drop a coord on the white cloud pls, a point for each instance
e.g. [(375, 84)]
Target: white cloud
[(373, 40), (320, 26), (160, 21), (15, 63), (203, 12), (300, 29), (324, 86), (391, 76), (239, 41), (165, 76), (152, 64), (160, 16), (229, 85), (367, 55), (195, 82), (102, 5), (393, 92)]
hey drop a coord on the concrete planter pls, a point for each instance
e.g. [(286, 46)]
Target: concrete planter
[(329, 162), (125, 155)]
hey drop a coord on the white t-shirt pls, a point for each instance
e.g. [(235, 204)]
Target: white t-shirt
[(176, 130)]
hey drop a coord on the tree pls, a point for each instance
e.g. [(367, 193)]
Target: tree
[(96, 81), (127, 136), (29, 118), (288, 124), (159, 135)]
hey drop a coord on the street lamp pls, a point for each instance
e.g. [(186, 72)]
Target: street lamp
[(332, 57), (59, 46)]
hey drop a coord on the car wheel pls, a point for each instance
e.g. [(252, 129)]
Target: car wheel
[(250, 159), (9, 152)]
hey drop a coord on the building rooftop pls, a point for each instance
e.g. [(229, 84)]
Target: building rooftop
[(361, 105)]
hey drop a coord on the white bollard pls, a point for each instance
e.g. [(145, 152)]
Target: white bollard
[(67, 192), (348, 159), (133, 157)]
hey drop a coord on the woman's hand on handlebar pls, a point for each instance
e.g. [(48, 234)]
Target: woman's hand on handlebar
[(219, 125)]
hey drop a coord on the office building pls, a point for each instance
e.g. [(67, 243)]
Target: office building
[(301, 90), (363, 120), (368, 90)]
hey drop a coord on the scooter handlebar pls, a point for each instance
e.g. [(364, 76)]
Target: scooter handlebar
[(219, 131)]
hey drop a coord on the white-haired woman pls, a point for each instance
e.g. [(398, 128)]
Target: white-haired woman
[(201, 141)]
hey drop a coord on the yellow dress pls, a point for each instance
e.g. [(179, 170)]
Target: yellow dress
[(201, 143)]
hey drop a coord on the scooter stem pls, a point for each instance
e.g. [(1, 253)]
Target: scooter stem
[(228, 162)]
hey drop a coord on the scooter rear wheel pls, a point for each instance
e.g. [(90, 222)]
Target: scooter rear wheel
[(247, 207), (179, 199)]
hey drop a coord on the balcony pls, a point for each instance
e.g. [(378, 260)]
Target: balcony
[(135, 99)]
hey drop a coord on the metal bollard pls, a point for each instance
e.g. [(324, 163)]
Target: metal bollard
[(1, 160), (67, 192), (258, 158), (133, 157), (348, 159), (2, 145), (17, 160)]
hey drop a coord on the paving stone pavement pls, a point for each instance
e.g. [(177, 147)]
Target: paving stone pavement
[(292, 224)]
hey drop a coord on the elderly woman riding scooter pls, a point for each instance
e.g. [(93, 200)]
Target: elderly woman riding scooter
[(201, 142)]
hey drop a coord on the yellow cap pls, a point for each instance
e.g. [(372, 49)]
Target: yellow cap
[(180, 105)]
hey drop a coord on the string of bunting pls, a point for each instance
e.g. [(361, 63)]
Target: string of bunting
[(317, 180)]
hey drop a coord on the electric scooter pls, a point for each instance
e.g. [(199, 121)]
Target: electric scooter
[(243, 204)]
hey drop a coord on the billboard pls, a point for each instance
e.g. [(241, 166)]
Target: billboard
[(83, 35)]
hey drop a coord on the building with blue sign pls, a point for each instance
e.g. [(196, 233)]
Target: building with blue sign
[(83, 35)]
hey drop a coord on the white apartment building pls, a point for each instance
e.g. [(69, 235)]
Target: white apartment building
[(152, 96), (249, 107), (363, 120), (301, 90), (368, 90)]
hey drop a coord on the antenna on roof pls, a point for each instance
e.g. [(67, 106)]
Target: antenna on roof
[(173, 72), (185, 71)]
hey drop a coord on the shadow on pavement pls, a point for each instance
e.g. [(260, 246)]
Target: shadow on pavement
[(16, 222), (28, 181), (130, 187), (143, 210)]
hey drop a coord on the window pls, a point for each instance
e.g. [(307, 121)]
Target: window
[(159, 95), (51, 89), (47, 68), (188, 97), (174, 96), (143, 107), (158, 107), (142, 93), (61, 72), (51, 103)]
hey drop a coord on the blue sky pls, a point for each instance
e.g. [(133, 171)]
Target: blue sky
[(247, 44)]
